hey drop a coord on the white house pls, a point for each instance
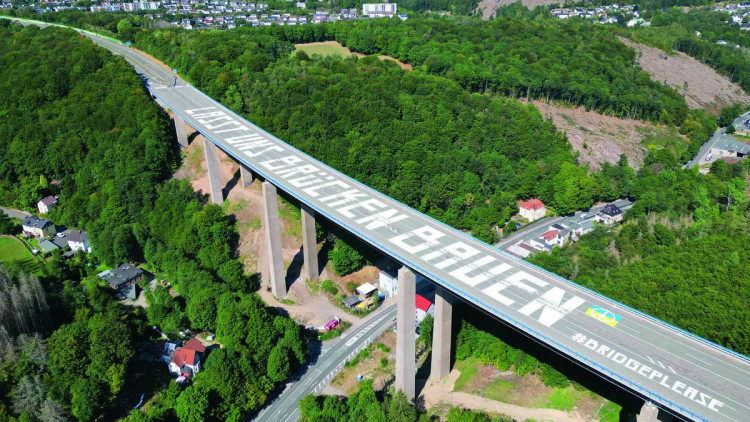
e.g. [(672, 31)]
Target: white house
[(611, 214), (46, 204), (78, 240), (186, 362), (388, 283), (379, 10), (532, 209), (423, 308), (37, 227)]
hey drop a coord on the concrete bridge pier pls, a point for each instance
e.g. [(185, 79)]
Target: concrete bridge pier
[(441, 335), (246, 176), (273, 239), (179, 126), (214, 177), (405, 333), (309, 244), (649, 413)]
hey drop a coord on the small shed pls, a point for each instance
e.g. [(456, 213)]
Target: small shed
[(351, 301), (366, 290)]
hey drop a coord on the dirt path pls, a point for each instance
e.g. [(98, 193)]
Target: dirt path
[(245, 204), (700, 84), (442, 392)]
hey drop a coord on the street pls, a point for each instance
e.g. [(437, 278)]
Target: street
[(539, 227)]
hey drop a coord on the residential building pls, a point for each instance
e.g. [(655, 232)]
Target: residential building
[(532, 209), (379, 10), (611, 214), (47, 246), (124, 276), (78, 240), (388, 283), (37, 227), (186, 361), (46, 204), (423, 307)]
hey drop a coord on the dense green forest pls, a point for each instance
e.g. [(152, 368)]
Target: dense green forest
[(516, 57), (78, 123), (682, 253)]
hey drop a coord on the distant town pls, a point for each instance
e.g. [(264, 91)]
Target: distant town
[(196, 14)]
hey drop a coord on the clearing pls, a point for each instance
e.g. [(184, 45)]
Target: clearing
[(327, 48), (488, 7), (13, 250), (601, 139), (483, 387), (701, 85), (245, 204)]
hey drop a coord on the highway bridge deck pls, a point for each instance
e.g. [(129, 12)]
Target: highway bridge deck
[(683, 373)]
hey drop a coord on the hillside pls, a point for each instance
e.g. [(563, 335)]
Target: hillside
[(700, 84), (599, 138), (488, 7)]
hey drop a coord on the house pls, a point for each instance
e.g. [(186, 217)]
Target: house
[(46, 204), (78, 240), (611, 214), (379, 10), (46, 246), (523, 249), (388, 282), (532, 209), (186, 361), (37, 227), (423, 307), (124, 276)]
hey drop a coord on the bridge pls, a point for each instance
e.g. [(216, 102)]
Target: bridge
[(678, 372)]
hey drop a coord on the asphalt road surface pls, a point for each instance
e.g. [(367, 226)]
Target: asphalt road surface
[(702, 156), (682, 373), (317, 375)]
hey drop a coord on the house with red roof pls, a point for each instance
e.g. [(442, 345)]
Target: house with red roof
[(186, 361), (532, 210), (423, 308)]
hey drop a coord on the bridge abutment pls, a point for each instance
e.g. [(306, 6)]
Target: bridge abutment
[(405, 333), (246, 176), (272, 228), (214, 176), (309, 244), (441, 335), (179, 127)]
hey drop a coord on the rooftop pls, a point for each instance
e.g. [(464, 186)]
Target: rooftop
[(36, 222), (532, 204), (123, 274), (423, 303)]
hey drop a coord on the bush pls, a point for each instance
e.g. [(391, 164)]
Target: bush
[(328, 287)]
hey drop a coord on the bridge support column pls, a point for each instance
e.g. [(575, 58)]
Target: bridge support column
[(441, 335), (405, 333), (273, 239), (246, 176), (649, 413), (214, 178), (179, 126), (309, 244)]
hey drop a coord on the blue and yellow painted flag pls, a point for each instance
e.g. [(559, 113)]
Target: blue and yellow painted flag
[(608, 317)]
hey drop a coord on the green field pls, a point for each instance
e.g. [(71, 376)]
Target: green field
[(324, 49), (12, 250)]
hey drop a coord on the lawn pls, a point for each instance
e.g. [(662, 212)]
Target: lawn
[(324, 49), (12, 250)]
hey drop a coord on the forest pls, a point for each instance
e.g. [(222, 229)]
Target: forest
[(366, 405), (683, 246), (79, 124)]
